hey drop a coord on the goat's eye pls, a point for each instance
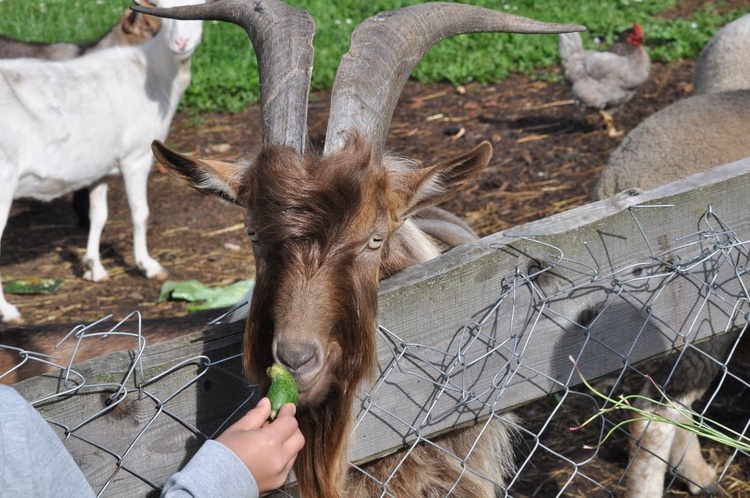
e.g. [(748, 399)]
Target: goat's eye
[(376, 242)]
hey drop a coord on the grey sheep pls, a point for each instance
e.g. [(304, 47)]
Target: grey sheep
[(723, 64), (695, 134), (687, 137)]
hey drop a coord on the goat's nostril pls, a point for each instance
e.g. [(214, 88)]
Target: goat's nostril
[(180, 44), (298, 358)]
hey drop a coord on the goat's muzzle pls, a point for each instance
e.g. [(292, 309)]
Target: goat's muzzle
[(311, 365), (302, 358)]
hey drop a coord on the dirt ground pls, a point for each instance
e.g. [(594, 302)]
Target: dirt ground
[(547, 157), (548, 154)]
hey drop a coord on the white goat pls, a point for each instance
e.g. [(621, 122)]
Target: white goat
[(133, 28), (94, 116)]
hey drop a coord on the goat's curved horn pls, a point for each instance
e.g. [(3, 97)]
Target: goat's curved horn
[(278, 32), (383, 52)]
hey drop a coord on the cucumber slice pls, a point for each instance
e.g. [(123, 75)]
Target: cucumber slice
[(283, 388)]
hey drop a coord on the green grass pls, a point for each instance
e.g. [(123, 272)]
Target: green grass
[(225, 71)]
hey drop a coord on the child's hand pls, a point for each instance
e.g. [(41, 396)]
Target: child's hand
[(268, 449)]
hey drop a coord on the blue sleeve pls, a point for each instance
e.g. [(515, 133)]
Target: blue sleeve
[(213, 472), (33, 459)]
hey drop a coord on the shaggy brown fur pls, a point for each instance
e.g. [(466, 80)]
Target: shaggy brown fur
[(437, 470), (325, 229)]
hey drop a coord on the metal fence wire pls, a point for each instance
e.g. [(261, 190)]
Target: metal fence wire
[(500, 341)]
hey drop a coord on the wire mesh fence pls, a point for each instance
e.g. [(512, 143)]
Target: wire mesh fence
[(132, 418)]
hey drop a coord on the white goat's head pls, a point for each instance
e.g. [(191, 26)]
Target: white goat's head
[(327, 225), (182, 37)]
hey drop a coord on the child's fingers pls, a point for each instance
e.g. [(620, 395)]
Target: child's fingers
[(288, 409), (287, 428), (255, 418)]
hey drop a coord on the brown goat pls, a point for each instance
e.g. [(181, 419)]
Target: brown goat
[(328, 225), (325, 230)]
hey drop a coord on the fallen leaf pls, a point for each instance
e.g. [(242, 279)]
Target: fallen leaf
[(36, 285), (204, 296)]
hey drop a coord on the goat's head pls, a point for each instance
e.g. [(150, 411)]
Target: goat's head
[(327, 225), (325, 229), (182, 37)]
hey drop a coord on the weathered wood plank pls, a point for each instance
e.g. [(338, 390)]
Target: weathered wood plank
[(522, 349), (487, 326), (109, 449)]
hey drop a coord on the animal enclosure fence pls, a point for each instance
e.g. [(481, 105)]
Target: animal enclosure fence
[(483, 330)]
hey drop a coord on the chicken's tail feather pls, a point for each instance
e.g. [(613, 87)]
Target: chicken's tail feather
[(570, 44)]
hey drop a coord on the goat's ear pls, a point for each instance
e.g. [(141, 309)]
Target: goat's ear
[(212, 178), (130, 22), (146, 3), (438, 183)]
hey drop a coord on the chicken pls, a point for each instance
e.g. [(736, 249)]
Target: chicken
[(605, 81)]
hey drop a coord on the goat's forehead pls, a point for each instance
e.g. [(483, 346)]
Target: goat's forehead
[(344, 188)]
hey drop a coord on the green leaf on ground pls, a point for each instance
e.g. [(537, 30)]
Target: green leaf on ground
[(203, 296), (35, 285)]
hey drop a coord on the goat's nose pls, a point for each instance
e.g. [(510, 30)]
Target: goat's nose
[(299, 358), (181, 43)]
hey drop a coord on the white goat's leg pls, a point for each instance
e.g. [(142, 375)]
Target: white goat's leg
[(646, 473), (686, 457), (665, 446), (98, 213), (8, 312), (135, 176)]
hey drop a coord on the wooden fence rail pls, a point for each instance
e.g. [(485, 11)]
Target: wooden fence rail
[(481, 330)]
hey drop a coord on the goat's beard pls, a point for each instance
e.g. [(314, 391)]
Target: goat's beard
[(322, 464)]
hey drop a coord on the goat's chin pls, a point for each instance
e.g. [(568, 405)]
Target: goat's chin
[(315, 393), (182, 54), (314, 390)]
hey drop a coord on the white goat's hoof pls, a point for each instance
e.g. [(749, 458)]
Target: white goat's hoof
[(153, 270), (160, 276), (11, 315), (701, 481), (95, 271), (96, 275)]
